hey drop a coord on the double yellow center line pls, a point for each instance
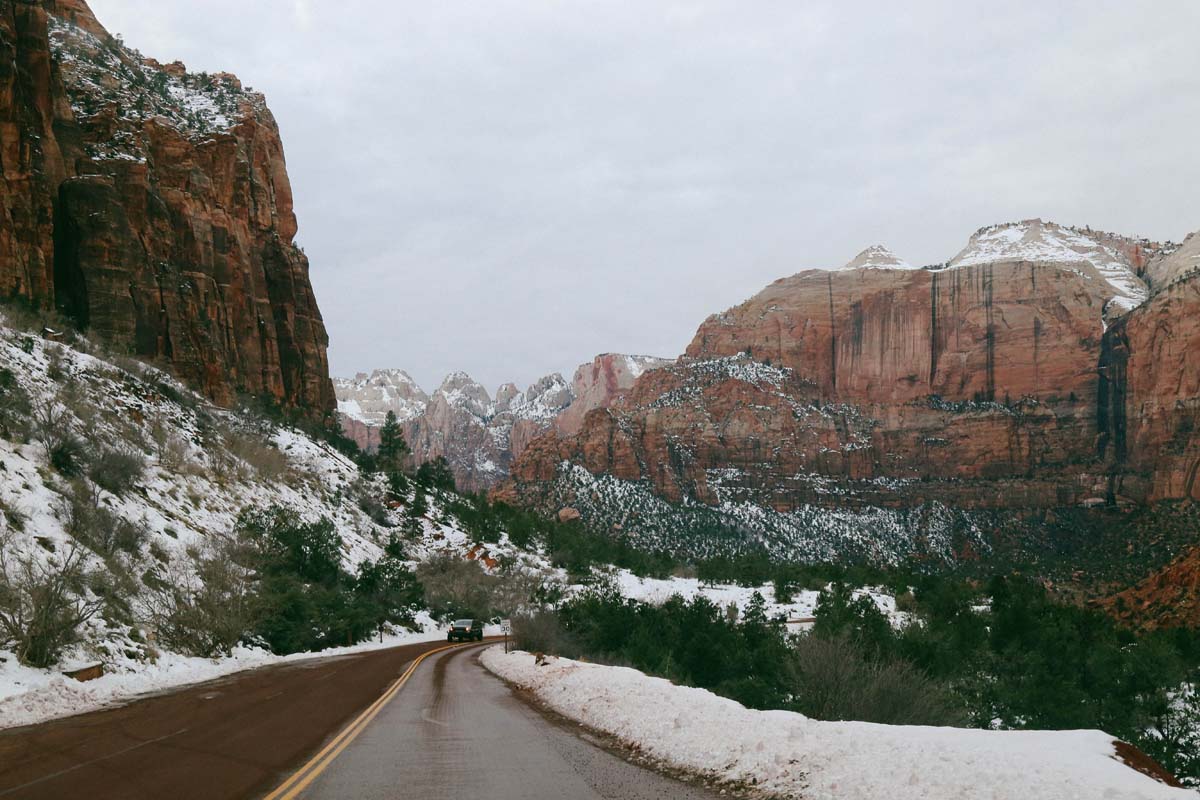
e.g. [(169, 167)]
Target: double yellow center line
[(299, 781)]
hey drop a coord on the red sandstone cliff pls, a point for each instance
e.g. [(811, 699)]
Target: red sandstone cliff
[(1150, 396), (153, 206), (974, 383)]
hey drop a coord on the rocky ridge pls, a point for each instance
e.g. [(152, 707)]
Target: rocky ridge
[(152, 205)]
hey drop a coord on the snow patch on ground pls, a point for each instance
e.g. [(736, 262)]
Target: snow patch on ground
[(803, 605), (789, 755)]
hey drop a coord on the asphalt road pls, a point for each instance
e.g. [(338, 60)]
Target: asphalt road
[(236, 737), (456, 731), (448, 730)]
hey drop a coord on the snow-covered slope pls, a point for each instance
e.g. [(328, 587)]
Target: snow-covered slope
[(1035, 240), (783, 754), (201, 467), (541, 402)]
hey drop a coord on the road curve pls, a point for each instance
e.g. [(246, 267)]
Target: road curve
[(236, 737), (456, 731)]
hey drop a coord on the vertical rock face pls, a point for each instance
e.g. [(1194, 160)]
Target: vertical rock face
[(1150, 378), (153, 206), (1004, 378), (881, 336), (600, 383)]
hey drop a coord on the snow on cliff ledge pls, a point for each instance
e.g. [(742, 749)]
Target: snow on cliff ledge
[(877, 257), (1035, 240), (789, 755)]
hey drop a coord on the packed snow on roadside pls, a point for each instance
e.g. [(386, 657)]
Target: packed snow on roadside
[(29, 695), (785, 754), (801, 608)]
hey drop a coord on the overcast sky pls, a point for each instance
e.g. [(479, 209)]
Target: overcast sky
[(510, 188)]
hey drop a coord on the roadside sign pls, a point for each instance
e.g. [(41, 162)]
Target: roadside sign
[(506, 626)]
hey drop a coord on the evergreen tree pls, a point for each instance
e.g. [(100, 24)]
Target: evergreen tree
[(392, 447)]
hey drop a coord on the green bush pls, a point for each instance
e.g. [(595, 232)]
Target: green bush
[(303, 599)]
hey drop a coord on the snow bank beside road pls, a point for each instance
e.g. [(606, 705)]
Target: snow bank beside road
[(790, 755), (29, 696)]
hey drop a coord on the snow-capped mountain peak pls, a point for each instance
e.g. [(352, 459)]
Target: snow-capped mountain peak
[(877, 256), (460, 390), (368, 398)]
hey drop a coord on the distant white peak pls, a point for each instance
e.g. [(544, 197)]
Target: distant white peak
[(506, 395), (544, 399), (554, 382), (878, 257), (1036, 240), (462, 391)]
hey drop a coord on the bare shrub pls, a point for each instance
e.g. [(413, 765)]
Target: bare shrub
[(42, 604), (171, 447), (518, 590), (56, 363), (541, 632), (51, 423), (836, 679), (370, 504), (117, 471), (15, 407), (94, 525), (264, 458), (205, 610), (456, 586)]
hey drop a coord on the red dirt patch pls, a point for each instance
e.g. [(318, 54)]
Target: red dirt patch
[(1135, 758)]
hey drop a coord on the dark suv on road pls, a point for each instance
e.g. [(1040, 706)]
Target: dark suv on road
[(465, 630)]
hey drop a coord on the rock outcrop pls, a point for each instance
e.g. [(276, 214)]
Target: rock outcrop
[(1174, 263), (153, 206), (980, 383)]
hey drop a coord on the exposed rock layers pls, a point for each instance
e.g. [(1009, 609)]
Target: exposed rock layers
[(979, 383), (153, 206)]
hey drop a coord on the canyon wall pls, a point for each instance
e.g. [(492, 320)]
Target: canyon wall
[(152, 206), (1005, 378)]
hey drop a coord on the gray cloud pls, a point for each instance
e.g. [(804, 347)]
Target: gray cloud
[(511, 187)]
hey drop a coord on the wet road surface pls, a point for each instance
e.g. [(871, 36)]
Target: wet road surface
[(236, 737), (456, 731)]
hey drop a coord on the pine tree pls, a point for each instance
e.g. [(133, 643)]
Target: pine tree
[(392, 447)]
